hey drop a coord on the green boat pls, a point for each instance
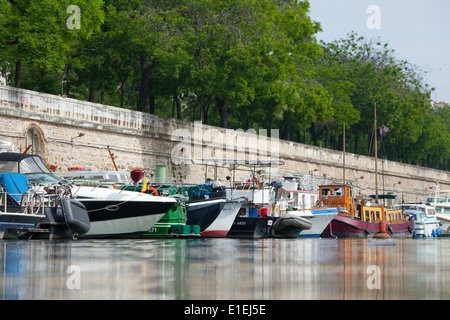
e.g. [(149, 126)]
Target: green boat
[(173, 223)]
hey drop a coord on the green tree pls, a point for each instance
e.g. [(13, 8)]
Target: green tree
[(242, 47), (38, 34)]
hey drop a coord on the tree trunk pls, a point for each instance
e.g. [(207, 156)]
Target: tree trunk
[(67, 81), (287, 136), (205, 110), (122, 85), (146, 74), (327, 136), (18, 73), (152, 104), (312, 130), (222, 104), (177, 104)]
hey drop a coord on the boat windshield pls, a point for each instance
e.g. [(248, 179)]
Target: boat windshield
[(439, 199), (33, 165), (43, 178), (412, 207)]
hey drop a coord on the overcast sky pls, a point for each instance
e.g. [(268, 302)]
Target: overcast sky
[(418, 30)]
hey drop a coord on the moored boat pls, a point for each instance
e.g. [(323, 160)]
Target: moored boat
[(426, 223), (440, 200), (290, 226), (112, 213), (363, 218), (205, 206)]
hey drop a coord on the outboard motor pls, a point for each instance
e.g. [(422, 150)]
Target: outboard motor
[(67, 221)]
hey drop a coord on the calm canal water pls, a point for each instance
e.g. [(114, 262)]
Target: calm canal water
[(229, 269)]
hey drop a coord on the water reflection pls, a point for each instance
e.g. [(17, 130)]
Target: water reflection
[(264, 269)]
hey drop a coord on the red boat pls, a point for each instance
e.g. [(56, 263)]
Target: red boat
[(363, 218)]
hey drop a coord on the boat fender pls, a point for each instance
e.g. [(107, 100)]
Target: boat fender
[(433, 233), (410, 229), (390, 230), (144, 187), (153, 190), (438, 232)]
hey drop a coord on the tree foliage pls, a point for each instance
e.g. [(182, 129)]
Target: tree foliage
[(231, 63)]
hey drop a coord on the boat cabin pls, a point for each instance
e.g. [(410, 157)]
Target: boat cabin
[(337, 196)]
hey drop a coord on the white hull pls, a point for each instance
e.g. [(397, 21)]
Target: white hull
[(425, 229), (126, 227), (223, 223), (319, 218), (116, 214), (319, 223)]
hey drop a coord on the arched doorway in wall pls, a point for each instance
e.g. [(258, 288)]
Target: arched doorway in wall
[(35, 141)]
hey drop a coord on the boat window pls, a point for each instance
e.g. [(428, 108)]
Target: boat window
[(367, 216), (338, 191), (372, 215), (33, 165), (378, 215), (431, 212), (326, 192), (8, 166)]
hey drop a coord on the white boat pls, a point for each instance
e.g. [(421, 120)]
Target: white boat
[(112, 213), (120, 213), (426, 223), (440, 200), (320, 218), (210, 210), (303, 203)]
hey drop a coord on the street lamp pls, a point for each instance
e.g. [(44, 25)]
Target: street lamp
[(81, 134)]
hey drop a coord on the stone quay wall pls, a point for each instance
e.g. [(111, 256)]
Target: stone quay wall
[(51, 125)]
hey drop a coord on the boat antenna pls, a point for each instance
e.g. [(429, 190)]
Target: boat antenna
[(376, 151)]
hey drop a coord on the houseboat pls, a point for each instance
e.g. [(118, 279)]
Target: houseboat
[(363, 218)]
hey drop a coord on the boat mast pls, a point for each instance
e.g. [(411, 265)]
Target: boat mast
[(343, 158), (376, 151)]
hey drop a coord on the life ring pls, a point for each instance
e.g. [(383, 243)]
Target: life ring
[(153, 190)]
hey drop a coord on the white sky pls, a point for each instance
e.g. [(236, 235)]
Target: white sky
[(418, 31)]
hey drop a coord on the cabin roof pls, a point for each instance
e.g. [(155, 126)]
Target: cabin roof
[(14, 156)]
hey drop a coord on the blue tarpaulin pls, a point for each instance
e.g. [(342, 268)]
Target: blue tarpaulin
[(15, 184)]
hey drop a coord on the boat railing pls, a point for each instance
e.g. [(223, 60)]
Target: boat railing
[(30, 202)]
